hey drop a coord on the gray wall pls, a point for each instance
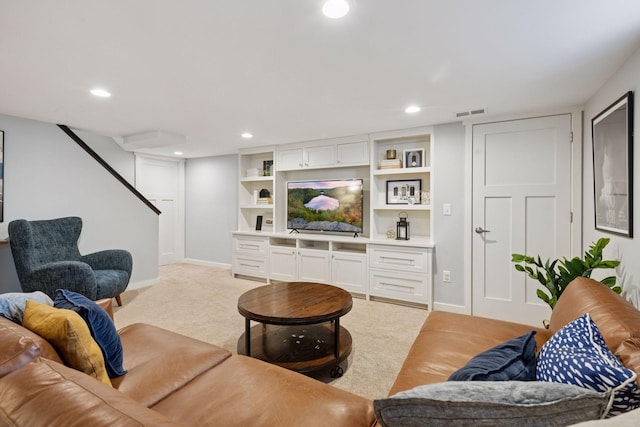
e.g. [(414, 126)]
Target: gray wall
[(47, 175), (627, 250), (449, 175), (211, 199)]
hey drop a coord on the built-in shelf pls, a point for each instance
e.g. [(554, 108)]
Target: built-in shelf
[(270, 206), (403, 208), (401, 171), (256, 178)]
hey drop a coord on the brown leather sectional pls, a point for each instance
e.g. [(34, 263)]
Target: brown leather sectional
[(176, 380)]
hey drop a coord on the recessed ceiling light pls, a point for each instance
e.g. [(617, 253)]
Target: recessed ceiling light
[(178, 153), (247, 135), (101, 93), (412, 109), (335, 9)]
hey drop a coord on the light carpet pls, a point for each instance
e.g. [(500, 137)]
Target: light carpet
[(201, 302)]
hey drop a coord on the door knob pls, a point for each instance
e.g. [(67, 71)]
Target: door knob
[(481, 230)]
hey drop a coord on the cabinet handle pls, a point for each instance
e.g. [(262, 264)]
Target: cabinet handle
[(394, 260), (397, 287), (300, 164), (306, 165), (256, 267)]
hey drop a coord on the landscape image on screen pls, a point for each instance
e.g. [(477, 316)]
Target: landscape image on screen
[(332, 205)]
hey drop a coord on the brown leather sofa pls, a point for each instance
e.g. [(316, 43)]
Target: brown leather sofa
[(447, 341), (176, 380), (172, 380)]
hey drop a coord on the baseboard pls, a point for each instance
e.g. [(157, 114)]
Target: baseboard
[(451, 308), (206, 263), (143, 284)]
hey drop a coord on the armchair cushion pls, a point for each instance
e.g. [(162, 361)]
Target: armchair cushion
[(70, 336), (100, 325)]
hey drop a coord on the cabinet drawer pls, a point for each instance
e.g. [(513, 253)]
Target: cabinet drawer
[(251, 245), (402, 286), (251, 266), (412, 260)]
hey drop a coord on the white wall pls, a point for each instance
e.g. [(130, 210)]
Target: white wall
[(120, 160), (449, 176), (47, 175), (211, 199), (627, 250)]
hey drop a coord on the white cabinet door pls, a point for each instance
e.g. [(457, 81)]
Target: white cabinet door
[(353, 153), (322, 156), (349, 271), (313, 266), (290, 159), (283, 263)]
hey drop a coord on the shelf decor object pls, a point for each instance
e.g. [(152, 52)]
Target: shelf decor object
[(612, 132), (414, 158), (404, 191), (402, 227)]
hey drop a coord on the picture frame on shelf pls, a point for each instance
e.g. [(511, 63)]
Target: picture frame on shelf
[(267, 167), (404, 191), (414, 158), (612, 137)]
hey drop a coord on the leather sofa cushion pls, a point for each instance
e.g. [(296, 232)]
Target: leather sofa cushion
[(244, 391), (159, 362), (17, 349), (15, 336), (447, 341), (46, 393)]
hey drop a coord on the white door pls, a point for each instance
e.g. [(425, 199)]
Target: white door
[(521, 204), (161, 181)]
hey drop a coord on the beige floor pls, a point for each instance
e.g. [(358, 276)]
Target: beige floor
[(201, 302)]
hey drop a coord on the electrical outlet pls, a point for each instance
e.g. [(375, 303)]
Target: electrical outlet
[(446, 276)]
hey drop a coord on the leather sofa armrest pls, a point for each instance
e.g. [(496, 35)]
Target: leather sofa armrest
[(107, 304)]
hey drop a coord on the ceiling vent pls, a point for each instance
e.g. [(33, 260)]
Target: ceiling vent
[(471, 113), (154, 139)]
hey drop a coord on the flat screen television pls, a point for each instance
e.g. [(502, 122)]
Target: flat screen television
[(326, 205)]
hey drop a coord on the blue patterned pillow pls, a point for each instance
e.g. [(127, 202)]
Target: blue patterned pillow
[(100, 325), (577, 354)]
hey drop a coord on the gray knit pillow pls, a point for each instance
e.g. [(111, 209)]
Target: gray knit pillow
[(494, 403)]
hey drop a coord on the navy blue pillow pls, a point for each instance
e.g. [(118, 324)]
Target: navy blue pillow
[(514, 360), (100, 325)]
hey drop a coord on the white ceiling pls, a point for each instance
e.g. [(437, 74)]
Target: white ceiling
[(212, 69)]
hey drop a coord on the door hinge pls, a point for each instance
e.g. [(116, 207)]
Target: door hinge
[(571, 217), (571, 136)]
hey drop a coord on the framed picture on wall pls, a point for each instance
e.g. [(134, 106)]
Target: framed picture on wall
[(1, 176), (612, 136)]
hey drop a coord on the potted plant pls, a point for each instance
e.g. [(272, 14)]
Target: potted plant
[(555, 276)]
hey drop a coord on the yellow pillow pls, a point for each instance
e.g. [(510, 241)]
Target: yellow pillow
[(69, 334)]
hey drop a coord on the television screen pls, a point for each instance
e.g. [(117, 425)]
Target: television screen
[(328, 205)]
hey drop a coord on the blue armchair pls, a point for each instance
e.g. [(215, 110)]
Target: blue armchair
[(47, 258)]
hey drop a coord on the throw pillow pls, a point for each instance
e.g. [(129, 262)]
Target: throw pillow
[(499, 403), (577, 354), (100, 325), (511, 360), (12, 303), (69, 335)]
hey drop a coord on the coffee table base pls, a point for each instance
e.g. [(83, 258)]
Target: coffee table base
[(304, 348)]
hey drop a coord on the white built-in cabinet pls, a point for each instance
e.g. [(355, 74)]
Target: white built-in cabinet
[(372, 265)]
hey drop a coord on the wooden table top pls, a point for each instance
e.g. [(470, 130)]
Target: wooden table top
[(295, 303)]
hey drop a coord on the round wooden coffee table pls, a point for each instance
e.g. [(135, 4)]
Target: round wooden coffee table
[(299, 326)]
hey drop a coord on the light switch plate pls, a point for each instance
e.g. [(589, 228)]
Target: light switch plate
[(446, 209)]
